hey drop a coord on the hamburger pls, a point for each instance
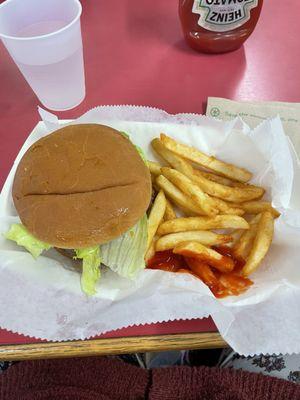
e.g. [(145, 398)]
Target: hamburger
[(84, 190)]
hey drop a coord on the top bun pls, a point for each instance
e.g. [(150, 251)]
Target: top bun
[(80, 186)]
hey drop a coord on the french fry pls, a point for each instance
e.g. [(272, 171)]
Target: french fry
[(169, 213), (179, 198), (156, 215), (236, 234), (215, 187), (207, 238), (202, 223), (234, 194), (226, 284), (203, 271), (212, 188), (262, 243), (151, 251), (184, 167), (233, 211), (175, 161), (244, 185), (209, 162), (193, 191), (155, 187), (227, 208), (256, 207), (224, 181), (244, 243), (234, 284), (154, 167), (214, 177), (203, 253)]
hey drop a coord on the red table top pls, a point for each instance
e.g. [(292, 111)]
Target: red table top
[(134, 54)]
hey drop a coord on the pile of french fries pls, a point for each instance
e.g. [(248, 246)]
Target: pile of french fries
[(199, 195)]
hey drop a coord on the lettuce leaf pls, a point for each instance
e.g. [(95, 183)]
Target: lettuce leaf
[(125, 135), (91, 261), (141, 153), (19, 234), (125, 254), (138, 148)]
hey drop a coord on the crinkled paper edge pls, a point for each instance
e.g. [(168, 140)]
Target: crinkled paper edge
[(137, 114)]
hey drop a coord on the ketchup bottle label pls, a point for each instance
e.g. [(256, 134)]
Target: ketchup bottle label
[(223, 15)]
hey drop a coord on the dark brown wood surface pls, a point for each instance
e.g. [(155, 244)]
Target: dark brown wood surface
[(102, 347)]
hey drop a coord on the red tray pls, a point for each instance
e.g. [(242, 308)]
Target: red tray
[(137, 56)]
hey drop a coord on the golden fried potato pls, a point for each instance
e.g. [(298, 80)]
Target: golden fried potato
[(202, 223), (233, 194), (227, 208), (205, 237), (179, 198), (151, 251), (262, 243), (202, 200), (228, 193), (169, 213), (175, 161), (154, 167), (256, 207), (243, 245), (212, 196), (156, 215), (201, 252), (198, 157), (214, 177)]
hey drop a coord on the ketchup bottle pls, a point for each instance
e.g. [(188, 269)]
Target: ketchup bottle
[(218, 26)]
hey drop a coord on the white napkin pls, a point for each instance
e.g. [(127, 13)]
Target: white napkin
[(254, 112), (42, 299)]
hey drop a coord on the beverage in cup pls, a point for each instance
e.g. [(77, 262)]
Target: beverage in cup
[(44, 39)]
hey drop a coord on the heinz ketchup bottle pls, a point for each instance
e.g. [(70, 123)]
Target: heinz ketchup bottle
[(218, 26)]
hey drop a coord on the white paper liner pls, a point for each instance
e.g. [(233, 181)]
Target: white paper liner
[(41, 299)]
